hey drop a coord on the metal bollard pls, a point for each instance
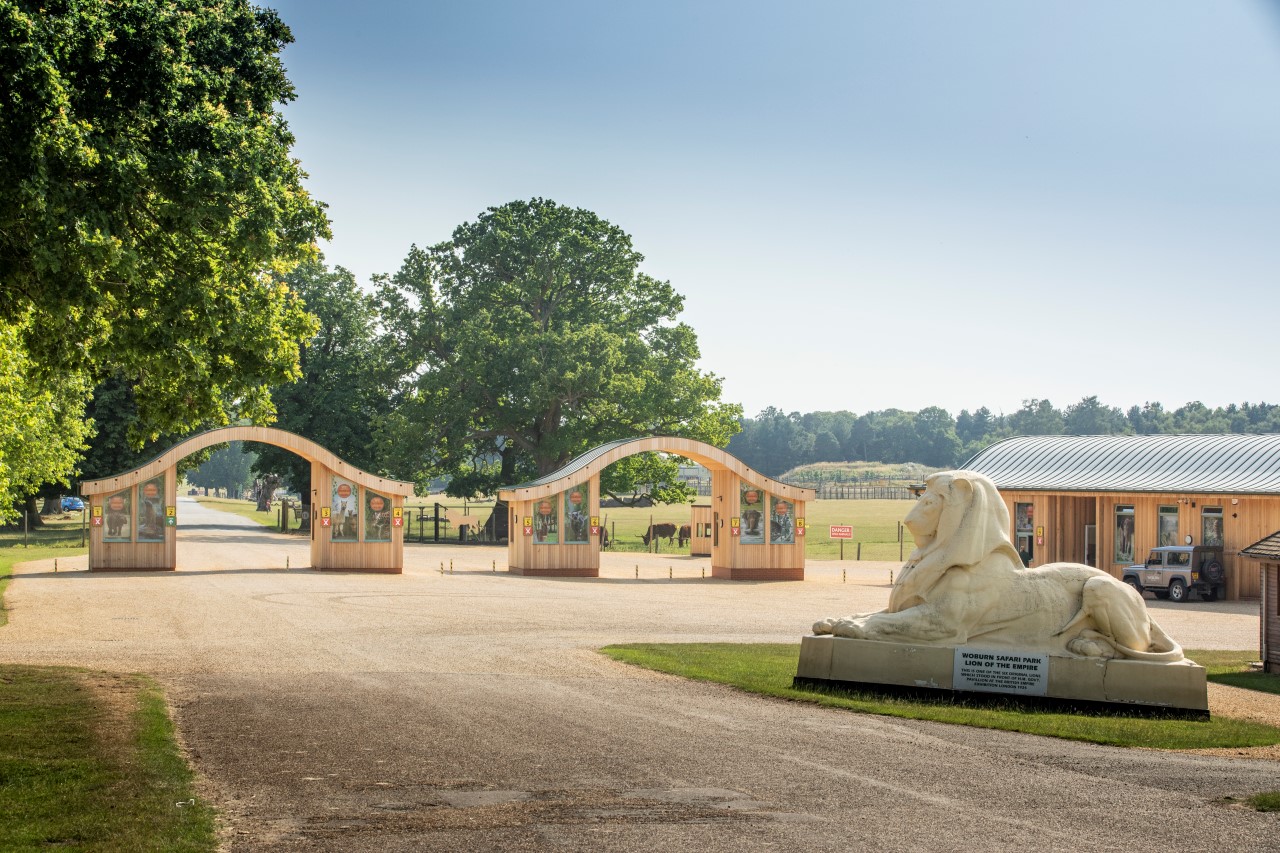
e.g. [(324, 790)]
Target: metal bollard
[(494, 567), (55, 566), (451, 567), (844, 576), (669, 574), (286, 561), (704, 572), (442, 567), (637, 571), (891, 577)]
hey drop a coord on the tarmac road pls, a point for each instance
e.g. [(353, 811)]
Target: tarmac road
[(469, 711)]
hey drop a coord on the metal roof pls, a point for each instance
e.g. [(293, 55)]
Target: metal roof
[(598, 458), (1264, 549), (576, 465), (1212, 464)]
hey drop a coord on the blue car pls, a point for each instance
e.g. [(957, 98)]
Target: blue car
[(71, 503)]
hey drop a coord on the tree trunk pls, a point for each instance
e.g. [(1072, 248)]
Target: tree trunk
[(266, 490), (52, 506), (33, 514), (498, 526)]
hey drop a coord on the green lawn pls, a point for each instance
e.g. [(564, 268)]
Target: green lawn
[(89, 761), (249, 510), (58, 537), (768, 669)]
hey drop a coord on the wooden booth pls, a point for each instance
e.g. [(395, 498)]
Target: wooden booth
[(357, 518), (1106, 500), (757, 525), (700, 530), (1267, 552)]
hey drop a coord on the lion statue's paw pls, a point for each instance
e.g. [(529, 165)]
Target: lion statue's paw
[(824, 626), (852, 628), (1092, 646)]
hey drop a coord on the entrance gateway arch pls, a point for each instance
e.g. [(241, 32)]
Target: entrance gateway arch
[(359, 525), (757, 524)]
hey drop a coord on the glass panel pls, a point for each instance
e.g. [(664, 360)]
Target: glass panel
[(1026, 548), (577, 518), (1124, 534), (377, 517), (1023, 517), (546, 522), (118, 518), (782, 523), (346, 511), (1167, 531), (1211, 526), (752, 513), (151, 510)]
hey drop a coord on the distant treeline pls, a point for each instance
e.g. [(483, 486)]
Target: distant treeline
[(773, 442)]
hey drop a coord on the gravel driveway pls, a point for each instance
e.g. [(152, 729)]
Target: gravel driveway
[(469, 711)]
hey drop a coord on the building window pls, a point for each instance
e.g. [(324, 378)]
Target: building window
[(1023, 524), (1124, 533), (1211, 526), (1167, 527)]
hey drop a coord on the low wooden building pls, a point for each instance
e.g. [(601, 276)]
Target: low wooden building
[(756, 525), (1104, 500), (1267, 552)]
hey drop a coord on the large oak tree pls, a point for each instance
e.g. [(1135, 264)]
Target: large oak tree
[(149, 204), (531, 336)]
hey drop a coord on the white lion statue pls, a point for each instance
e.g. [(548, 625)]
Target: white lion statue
[(966, 585)]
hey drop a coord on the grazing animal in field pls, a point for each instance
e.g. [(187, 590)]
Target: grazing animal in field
[(659, 531), (685, 534)]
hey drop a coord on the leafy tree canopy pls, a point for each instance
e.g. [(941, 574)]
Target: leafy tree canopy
[(343, 397), (43, 429), (532, 336), (773, 442), (148, 202)]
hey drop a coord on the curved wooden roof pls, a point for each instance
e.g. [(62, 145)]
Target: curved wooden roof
[(292, 442), (597, 459), (1206, 464)]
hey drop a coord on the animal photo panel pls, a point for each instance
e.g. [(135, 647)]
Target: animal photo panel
[(782, 522), (377, 517), (151, 510), (546, 522), (577, 517), (345, 512), (753, 517), (117, 519)]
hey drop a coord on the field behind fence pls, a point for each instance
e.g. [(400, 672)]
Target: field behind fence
[(875, 525)]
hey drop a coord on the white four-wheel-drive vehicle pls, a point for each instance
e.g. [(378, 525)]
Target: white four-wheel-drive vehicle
[(1174, 571)]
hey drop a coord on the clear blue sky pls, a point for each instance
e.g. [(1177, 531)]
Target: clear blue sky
[(866, 204)]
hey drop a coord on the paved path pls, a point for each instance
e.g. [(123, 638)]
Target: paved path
[(469, 711)]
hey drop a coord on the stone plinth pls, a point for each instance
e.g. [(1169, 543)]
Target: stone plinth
[(1178, 686)]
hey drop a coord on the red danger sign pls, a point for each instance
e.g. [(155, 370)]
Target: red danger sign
[(841, 531)]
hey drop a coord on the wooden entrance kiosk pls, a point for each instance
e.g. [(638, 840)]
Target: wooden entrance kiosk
[(357, 519), (757, 524)]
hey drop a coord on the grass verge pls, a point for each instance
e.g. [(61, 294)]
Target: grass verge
[(249, 510), (59, 537), (89, 760), (768, 668), (1236, 669)]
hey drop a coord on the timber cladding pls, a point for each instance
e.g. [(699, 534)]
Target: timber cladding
[(357, 517), (757, 524), (1271, 617), (1126, 525)]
